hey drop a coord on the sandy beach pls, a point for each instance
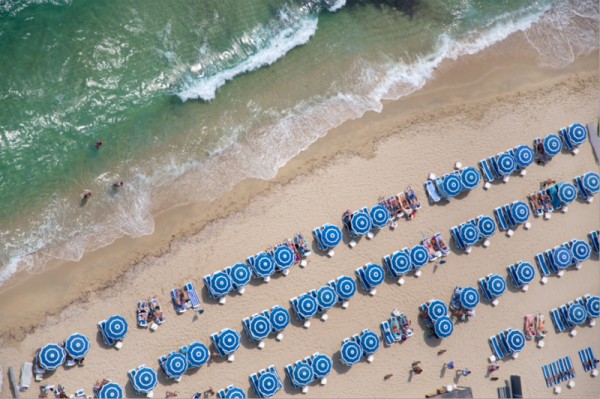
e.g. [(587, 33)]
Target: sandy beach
[(450, 120)]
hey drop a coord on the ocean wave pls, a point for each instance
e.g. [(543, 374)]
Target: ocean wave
[(13, 7), (337, 4)]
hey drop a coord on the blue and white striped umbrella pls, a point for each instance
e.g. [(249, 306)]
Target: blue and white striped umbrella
[(469, 298), (322, 365), (592, 304), (240, 275), (361, 223), (469, 234), (487, 226), (443, 327), (525, 272), (111, 391), (228, 341), (307, 306), (400, 262), (470, 178), (515, 340), (577, 133), (369, 341), (175, 365), (591, 182), (302, 374), (374, 274), (524, 156), (116, 327), (145, 380), (452, 185), (567, 193), (562, 257), (235, 393), (326, 297), (345, 287), (331, 236), (552, 145), (506, 164), (577, 314), (520, 212), (380, 216), (280, 318), (77, 346), (260, 327), (351, 353), (264, 265), (437, 309), (284, 257), (268, 384), (197, 355), (220, 284), (419, 256), (497, 285), (581, 250), (51, 357)]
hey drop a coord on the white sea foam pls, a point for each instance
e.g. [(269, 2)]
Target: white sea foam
[(338, 4)]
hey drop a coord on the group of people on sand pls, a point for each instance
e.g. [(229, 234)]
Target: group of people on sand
[(149, 310), (87, 194), (59, 392)]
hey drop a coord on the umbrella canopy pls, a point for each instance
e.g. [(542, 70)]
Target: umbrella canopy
[(452, 185), (577, 314), (374, 274), (469, 298), (346, 287), (260, 327), (228, 341), (400, 262), (506, 164), (592, 305), (240, 275), (235, 393), (419, 256), (51, 357), (562, 257), (77, 346), (197, 355), (487, 226), (525, 272), (268, 384), (331, 235), (351, 353), (302, 374), (567, 193), (577, 133), (144, 380), (552, 145), (437, 309), (322, 365), (116, 327), (264, 265), (380, 216), (280, 318), (470, 178), (111, 391), (443, 327), (284, 257), (369, 342), (361, 223), (175, 365), (220, 284), (520, 212), (581, 250), (306, 306), (591, 182), (496, 285), (469, 234), (326, 297), (515, 340), (524, 156)]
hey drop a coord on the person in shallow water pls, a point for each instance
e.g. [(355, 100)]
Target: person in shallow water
[(87, 194), (99, 144)]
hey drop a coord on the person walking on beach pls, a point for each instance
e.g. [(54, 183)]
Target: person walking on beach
[(450, 365), (464, 372), (118, 184), (415, 367), (441, 352), (388, 376), (493, 367)]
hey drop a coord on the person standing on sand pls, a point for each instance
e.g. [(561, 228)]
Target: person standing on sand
[(388, 376)]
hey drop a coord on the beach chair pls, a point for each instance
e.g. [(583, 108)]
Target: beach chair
[(484, 289), (569, 367), (26, 375), (534, 210), (496, 348), (317, 234), (508, 216), (193, 294), (142, 314), (500, 219), (455, 233), (386, 332), (588, 359), (548, 376), (440, 244), (439, 186), (487, 173), (564, 313), (431, 191), (175, 293), (550, 262), (107, 340), (159, 317), (502, 341), (594, 240), (556, 317), (540, 260), (583, 192), (512, 272), (412, 198)]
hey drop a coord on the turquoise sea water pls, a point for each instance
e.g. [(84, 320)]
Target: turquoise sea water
[(190, 97)]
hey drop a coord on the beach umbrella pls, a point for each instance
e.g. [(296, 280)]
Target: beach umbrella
[(322, 365), (351, 353), (220, 284), (268, 384), (260, 327), (345, 287), (144, 380), (577, 133), (437, 309), (577, 314), (374, 275), (591, 182), (331, 235), (77, 346), (552, 145), (487, 226), (280, 318), (302, 374), (520, 212), (51, 357), (443, 327), (361, 223), (469, 298), (469, 234), (240, 275), (369, 342), (264, 265), (116, 327), (326, 297), (284, 257), (228, 341), (592, 304), (197, 355), (524, 156), (306, 307), (496, 285), (175, 365), (419, 256), (567, 193), (562, 257), (400, 262), (111, 391), (235, 393), (380, 216), (470, 178), (452, 185), (581, 250), (506, 164), (515, 340), (525, 272)]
